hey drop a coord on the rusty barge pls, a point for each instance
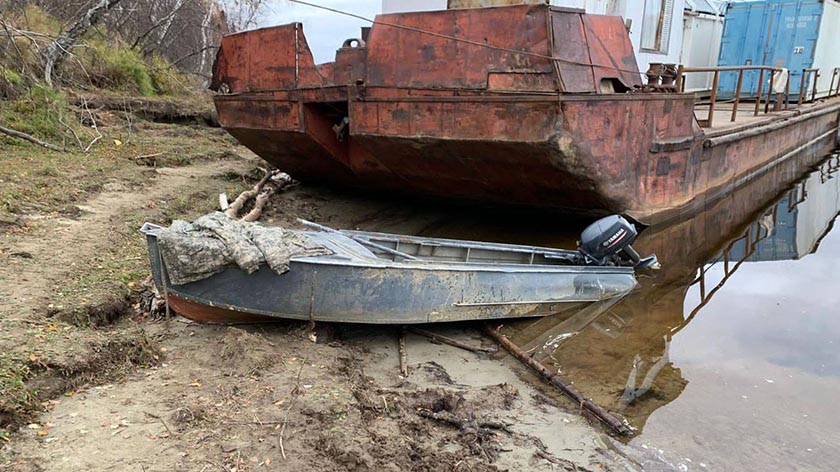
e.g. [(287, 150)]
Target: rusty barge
[(526, 105)]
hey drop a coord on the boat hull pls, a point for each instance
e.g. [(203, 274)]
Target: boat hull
[(387, 294)]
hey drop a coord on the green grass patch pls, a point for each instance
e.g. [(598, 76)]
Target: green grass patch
[(117, 67), (17, 401), (11, 77), (114, 66), (40, 111)]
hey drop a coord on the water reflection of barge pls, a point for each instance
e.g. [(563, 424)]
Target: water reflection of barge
[(619, 355), (551, 113)]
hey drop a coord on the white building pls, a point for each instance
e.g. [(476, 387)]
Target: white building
[(702, 30), (656, 26)]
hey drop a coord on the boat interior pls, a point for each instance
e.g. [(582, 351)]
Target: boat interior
[(401, 248)]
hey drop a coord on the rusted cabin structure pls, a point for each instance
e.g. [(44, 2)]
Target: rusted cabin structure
[(520, 105)]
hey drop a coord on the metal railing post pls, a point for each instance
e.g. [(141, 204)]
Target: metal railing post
[(713, 97), (758, 95), (769, 92), (836, 93), (801, 87), (737, 95), (679, 84), (814, 92), (787, 91)]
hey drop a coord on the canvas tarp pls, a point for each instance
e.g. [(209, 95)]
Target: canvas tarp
[(197, 250)]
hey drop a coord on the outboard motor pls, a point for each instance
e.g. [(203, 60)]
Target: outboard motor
[(608, 242)]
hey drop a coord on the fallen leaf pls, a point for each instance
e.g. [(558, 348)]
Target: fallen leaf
[(117, 143), (43, 432)]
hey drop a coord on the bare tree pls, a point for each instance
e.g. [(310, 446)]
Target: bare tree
[(241, 14), (186, 33), (56, 52)]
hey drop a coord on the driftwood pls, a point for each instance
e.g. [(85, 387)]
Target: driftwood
[(243, 198), (464, 424), (259, 204), (260, 193), (608, 418), (403, 355), (452, 342), (32, 139)]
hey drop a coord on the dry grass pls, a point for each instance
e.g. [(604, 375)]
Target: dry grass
[(74, 340)]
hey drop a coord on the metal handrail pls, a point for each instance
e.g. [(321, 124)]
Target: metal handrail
[(833, 89), (680, 85), (816, 75)]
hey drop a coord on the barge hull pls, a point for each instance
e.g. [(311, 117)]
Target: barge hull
[(550, 116)]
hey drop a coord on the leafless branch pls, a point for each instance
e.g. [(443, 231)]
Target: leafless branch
[(28, 137), (72, 131), (194, 53), (93, 125)]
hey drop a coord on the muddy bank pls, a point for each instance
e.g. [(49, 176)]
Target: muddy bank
[(216, 398), (244, 398)]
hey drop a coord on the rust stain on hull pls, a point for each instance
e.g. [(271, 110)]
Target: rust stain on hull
[(204, 313), (492, 117)]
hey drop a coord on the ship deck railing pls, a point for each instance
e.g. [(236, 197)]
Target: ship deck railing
[(782, 101)]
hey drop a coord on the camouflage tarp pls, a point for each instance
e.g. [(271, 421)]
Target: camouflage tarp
[(195, 251)]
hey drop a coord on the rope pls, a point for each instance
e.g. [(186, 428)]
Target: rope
[(461, 40)]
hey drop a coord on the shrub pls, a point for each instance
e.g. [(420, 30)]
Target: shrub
[(117, 67)]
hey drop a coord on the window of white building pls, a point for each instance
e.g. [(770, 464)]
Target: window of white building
[(656, 25)]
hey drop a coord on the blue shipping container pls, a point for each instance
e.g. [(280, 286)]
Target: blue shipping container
[(773, 33)]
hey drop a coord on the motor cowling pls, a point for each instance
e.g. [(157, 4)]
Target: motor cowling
[(608, 242)]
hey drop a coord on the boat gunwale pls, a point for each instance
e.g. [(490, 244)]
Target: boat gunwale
[(357, 261), (460, 266)]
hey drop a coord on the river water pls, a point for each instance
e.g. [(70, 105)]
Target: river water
[(729, 357)]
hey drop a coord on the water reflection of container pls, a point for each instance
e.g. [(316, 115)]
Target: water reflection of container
[(796, 224), (619, 353), (794, 34)]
